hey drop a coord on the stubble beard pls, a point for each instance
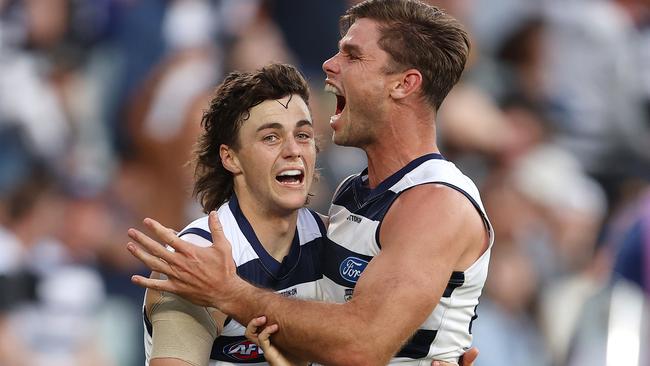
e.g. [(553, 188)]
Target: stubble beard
[(354, 136), (359, 130)]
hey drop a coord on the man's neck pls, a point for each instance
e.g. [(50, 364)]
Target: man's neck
[(274, 230), (403, 140)]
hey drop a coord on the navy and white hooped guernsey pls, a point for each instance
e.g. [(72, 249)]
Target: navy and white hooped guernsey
[(297, 276), (355, 218)]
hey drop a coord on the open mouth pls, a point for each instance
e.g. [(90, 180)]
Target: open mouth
[(340, 99), (340, 104), (290, 177)]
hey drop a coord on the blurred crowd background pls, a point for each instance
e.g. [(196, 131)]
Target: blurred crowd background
[(100, 103)]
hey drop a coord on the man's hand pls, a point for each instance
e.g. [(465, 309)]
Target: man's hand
[(205, 276), (275, 358), (467, 359)]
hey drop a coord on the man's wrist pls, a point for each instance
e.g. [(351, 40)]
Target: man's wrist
[(235, 300)]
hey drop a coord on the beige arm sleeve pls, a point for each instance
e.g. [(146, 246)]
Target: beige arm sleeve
[(181, 329)]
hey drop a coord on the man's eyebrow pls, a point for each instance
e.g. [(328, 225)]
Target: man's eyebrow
[(279, 126), (304, 122), (350, 48), (273, 125)]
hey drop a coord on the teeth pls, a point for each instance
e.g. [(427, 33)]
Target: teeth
[(290, 173), (329, 88)]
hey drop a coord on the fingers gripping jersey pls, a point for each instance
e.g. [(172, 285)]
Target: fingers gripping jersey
[(296, 276), (355, 218)]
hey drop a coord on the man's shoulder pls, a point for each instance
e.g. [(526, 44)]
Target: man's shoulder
[(437, 217), (312, 223), (430, 205), (431, 171), (199, 228), (424, 197), (197, 232), (439, 173), (199, 223)]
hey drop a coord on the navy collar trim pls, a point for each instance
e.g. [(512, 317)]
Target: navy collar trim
[(395, 177), (271, 265)]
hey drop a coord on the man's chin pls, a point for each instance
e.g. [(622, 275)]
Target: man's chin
[(290, 204), (340, 139), (347, 141)]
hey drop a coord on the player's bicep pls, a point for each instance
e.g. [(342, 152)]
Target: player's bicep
[(420, 248), (390, 283), (427, 233), (183, 331), (169, 362)]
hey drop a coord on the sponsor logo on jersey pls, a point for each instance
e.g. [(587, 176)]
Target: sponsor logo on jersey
[(351, 268), (354, 218), (243, 351)]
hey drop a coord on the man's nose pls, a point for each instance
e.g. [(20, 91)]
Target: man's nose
[(331, 65), (291, 148)]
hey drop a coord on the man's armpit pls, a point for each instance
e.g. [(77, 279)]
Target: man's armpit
[(182, 330)]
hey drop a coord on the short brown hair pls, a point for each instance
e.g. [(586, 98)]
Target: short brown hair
[(229, 108), (417, 35)]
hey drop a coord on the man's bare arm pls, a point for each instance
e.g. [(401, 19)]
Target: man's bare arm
[(183, 333), (417, 258), (169, 362), (275, 358)]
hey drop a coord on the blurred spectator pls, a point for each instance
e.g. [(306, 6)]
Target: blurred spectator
[(47, 315), (628, 237), (633, 259), (139, 45), (595, 95), (505, 331), (17, 282), (257, 43), (613, 328), (27, 193), (298, 30), (570, 207), (546, 212), (164, 116), (521, 56)]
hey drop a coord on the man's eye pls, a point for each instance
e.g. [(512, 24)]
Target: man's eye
[(303, 136), (270, 138)]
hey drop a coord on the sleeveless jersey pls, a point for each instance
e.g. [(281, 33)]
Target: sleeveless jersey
[(297, 276), (355, 218)]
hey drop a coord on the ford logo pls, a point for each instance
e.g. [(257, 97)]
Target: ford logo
[(351, 268)]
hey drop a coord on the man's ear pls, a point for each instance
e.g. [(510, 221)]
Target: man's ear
[(229, 159), (408, 83)]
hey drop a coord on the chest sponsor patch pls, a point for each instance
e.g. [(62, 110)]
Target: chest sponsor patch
[(351, 268)]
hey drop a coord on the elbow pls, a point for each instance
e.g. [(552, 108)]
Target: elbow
[(357, 360), (365, 343)]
